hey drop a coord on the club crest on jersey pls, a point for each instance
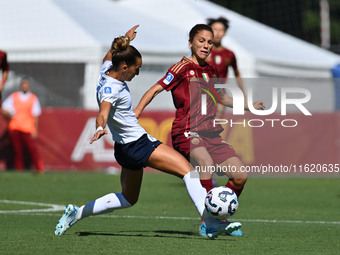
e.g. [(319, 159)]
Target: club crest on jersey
[(168, 79), (192, 72), (205, 77), (107, 90)]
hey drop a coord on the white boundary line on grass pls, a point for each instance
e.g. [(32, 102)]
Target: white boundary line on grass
[(55, 208), (52, 207)]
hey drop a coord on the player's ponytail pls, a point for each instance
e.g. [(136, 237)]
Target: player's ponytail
[(123, 52)]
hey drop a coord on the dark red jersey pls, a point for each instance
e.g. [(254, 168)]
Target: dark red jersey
[(3, 61), (222, 59), (188, 82)]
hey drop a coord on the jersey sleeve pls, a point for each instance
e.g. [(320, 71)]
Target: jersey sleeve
[(8, 105), (106, 66), (36, 109), (171, 79), (108, 93)]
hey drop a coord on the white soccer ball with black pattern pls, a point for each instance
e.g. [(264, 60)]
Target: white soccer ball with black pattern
[(221, 202)]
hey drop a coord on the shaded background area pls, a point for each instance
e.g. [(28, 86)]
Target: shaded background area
[(295, 17)]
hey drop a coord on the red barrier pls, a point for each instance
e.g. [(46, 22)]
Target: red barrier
[(64, 136)]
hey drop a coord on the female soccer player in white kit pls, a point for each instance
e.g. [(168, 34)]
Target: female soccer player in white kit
[(134, 148)]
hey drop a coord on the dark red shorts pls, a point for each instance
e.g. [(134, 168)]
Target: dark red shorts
[(218, 149)]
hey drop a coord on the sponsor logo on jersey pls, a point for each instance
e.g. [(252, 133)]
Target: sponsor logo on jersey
[(168, 79), (107, 90)]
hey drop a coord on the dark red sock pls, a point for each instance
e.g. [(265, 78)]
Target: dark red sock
[(207, 184), (237, 190)]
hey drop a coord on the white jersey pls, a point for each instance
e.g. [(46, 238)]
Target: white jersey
[(122, 121)]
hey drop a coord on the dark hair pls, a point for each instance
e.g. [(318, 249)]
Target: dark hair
[(197, 28), (123, 52), (222, 20)]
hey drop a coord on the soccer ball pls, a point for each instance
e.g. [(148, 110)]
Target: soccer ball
[(221, 202)]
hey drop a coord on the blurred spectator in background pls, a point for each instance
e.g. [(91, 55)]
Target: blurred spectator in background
[(22, 109), (221, 57), (4, 70)]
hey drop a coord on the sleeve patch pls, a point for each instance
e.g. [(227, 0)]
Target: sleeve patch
[(107, 90), (168, 79)]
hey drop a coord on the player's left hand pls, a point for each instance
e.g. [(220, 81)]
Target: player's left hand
[(98, 135), (131, 34), (34, 134)]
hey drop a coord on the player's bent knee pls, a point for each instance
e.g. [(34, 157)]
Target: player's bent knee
[(239, 182)]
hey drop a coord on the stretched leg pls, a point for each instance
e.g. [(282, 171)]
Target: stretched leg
[(131, 181), (170, 161)]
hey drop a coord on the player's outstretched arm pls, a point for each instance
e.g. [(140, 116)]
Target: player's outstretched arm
[(131, 34), (101, 121), (147, 98), (228, 101)]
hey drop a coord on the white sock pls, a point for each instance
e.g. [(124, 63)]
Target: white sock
[(196, 192), (105, 204)]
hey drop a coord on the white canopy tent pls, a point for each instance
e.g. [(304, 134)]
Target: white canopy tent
[(81, 31)]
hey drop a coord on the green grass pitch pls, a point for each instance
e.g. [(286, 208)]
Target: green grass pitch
[(279, 216)]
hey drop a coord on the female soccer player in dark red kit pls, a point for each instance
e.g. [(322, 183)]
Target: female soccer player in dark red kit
[(194, 134)]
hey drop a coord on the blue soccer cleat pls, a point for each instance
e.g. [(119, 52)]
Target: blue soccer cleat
[(219, 228), (203, 232), (237, 232), (67, 220)]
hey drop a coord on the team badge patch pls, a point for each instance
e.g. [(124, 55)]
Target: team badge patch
[(192, 72), (168, 79), (107, 90)]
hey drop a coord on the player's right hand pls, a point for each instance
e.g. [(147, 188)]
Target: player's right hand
[(98, 135)]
